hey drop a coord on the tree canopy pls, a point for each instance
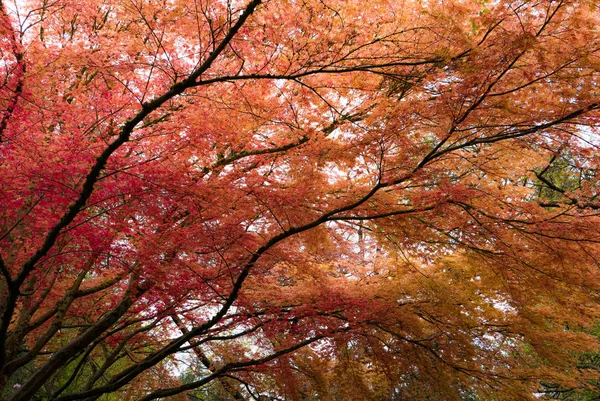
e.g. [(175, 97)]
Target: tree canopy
[(299, 199)]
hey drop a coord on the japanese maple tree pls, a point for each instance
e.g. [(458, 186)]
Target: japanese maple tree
[(298, 200)]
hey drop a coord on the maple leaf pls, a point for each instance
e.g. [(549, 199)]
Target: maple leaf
[(298, 200)]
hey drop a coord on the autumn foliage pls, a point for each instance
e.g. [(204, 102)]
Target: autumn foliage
[(299, 200)]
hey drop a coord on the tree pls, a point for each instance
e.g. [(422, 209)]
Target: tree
[(297, 200)]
